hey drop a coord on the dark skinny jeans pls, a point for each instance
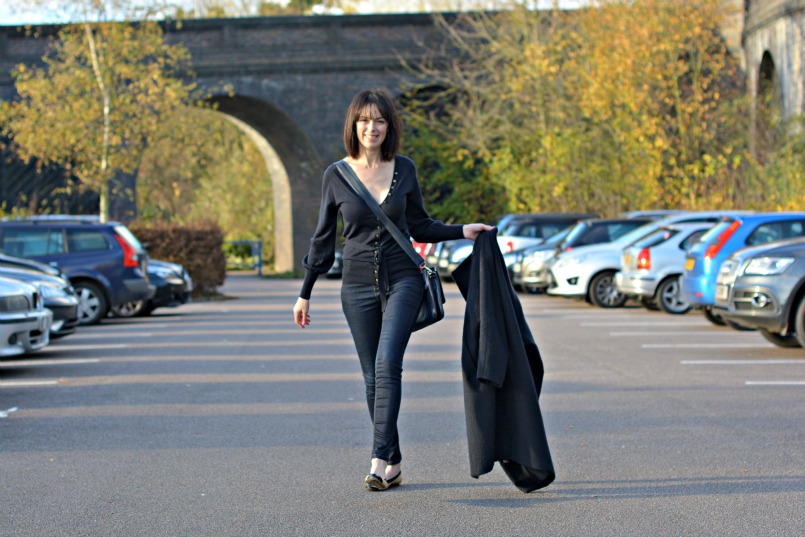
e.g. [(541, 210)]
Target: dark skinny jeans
[(380, 339)]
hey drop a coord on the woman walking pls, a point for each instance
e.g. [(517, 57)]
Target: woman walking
[(381, 287)]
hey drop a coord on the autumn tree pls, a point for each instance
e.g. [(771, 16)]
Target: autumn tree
[(201, 166), (100, 97), (619, 105)]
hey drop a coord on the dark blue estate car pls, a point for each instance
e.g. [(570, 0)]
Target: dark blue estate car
[(106, 264)]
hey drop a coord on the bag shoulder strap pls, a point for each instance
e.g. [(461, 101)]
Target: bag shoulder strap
[(352, 180)]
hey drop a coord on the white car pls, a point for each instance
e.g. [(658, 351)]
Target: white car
[(651, 267), (589, 271), (24, 321)]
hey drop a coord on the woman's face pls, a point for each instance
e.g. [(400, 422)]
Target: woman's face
[(371, 128)]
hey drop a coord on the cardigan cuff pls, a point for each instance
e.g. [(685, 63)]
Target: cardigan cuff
[(307, 285)]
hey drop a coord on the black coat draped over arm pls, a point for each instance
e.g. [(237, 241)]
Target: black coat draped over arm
[(502, 371)]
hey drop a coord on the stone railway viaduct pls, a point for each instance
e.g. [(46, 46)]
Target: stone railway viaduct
[(286, 82)]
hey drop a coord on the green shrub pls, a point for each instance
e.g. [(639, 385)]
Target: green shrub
[(197, 247)]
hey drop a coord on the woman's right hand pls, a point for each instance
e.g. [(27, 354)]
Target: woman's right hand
[(301, 315)]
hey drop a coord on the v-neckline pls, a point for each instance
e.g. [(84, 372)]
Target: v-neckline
[(388, 190)]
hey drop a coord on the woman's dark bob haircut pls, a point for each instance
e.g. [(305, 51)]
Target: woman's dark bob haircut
[(382, 98)]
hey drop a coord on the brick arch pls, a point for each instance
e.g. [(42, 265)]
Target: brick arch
[(292, 164)]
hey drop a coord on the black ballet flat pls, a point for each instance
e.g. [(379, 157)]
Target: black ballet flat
[(375, 483), (395, 481)]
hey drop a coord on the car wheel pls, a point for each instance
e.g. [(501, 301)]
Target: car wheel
[(129, 309), (649, 303), (92, 303), (781, 340), (799, 322), (603, 292), (713, 317), (668, 297)]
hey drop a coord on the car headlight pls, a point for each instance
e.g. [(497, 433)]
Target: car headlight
[(162, 272), (765, 266), (11, 304), (460, 254), (51, 291)]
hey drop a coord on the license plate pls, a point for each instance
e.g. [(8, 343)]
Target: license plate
[(722, 292), (689, 262)]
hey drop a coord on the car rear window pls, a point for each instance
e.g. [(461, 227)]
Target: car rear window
[(775, 231), (713, 233), (653, 239), (86, 240), (32, 241), (692, 239), (129, 237)]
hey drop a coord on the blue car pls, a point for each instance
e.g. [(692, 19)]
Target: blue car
[(104, 262), (704, 259)]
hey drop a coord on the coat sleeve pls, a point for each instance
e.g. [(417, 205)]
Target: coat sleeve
[(499, 328)]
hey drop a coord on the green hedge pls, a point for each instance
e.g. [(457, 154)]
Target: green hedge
[(198, 248)]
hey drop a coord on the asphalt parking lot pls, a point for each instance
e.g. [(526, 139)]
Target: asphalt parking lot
[(223, 418)]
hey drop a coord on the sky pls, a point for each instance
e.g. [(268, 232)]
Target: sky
[(9, 16)]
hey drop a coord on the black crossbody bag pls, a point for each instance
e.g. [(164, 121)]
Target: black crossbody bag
[(431, 309)]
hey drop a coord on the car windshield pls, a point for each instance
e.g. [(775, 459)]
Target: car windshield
[(557, 237), (637, 233), (577, 231)]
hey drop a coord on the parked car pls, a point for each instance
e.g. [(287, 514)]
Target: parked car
[(651, 267), (528, 263), (24, 321), (514, 232), (57, 295), (105, 263), (174, 287), (704, 259), (568, 276), (19, 262), (601, 262), (531, 229), (763, 287)]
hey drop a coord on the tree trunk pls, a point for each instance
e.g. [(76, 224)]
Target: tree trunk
[(104, 164)]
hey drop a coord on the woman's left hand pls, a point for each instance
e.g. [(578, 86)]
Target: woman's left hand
[(471, 231)]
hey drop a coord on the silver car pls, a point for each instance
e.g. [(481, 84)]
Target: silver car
[(24, 321), (528, 264), (651, 266), (763, 287)]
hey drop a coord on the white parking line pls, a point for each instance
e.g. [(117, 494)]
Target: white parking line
[(707, 346), (669, 333), (645, 323), (86, 347), (29, 363), (742, 362), (775, 382), (116, 334), (26, 383)]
